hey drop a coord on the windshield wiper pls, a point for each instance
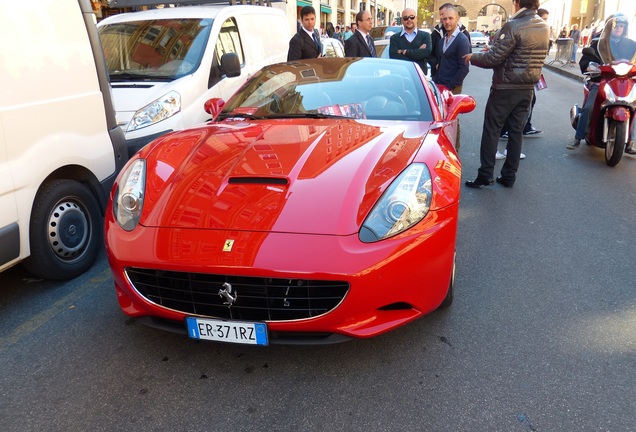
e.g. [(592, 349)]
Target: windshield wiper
[(239, 115), (128, 76), (306, 115)]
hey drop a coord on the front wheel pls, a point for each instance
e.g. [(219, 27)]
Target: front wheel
[(616, 139), (65, 230)]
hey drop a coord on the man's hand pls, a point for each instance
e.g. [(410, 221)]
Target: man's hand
[(467, 58)]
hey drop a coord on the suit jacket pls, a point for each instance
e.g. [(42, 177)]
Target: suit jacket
[(451, 66), (302, 46), (356, 46)]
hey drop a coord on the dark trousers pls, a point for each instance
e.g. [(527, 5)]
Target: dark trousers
[(504, 106)]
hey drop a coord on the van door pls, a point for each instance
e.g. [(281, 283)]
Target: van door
[(229, 41), (9, 232)]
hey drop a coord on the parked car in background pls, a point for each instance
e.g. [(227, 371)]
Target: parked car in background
[(332, 47), (165, 63), (320, 204), (477, 39), (384, 32)]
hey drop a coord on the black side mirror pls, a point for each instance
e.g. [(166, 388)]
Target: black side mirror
[(230, 65)]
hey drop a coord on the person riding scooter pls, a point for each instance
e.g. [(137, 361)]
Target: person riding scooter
[(620, 47)]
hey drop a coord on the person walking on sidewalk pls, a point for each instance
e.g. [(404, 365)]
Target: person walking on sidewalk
[(575, 35), (516, 57)]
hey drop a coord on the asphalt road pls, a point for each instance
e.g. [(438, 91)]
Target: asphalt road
[(541, 336)]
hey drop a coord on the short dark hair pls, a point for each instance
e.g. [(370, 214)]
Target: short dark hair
[(445, 5), (542, 11), (359, 16), (307, 10), (529, 4)]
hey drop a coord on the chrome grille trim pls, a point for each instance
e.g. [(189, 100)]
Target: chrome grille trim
[(259, 298)]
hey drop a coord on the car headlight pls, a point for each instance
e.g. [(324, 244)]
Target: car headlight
[(156, 111), (402, 205), (129, 198)]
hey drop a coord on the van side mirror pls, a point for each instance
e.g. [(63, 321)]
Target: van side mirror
[(214, 106), (230, 65)]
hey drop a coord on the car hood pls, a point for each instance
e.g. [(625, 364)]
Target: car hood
[(294, 176)]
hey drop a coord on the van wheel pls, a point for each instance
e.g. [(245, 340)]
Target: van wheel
[(65, 230)]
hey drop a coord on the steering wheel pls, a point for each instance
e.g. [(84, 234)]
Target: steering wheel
[(390, 96)]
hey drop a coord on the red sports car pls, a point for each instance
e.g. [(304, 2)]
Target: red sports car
[(319, 204)]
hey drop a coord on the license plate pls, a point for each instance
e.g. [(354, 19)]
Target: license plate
[(227, 331)]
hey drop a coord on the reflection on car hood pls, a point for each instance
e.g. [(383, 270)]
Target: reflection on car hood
[(297, 176)]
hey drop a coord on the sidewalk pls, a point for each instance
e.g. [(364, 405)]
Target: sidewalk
[(570, 70)]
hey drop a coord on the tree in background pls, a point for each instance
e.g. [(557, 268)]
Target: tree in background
[(425, 13)]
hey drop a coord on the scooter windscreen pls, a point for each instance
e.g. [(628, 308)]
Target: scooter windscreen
[(615, 43)]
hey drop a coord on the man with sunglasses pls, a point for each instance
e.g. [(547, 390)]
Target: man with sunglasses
[(411, 44)]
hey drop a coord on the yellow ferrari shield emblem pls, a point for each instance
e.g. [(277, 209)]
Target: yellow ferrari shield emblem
[(227, 246)]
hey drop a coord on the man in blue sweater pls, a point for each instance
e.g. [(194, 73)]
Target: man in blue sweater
[(411, 44), (451, 67)]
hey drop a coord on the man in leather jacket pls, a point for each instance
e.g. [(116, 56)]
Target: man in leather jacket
[(516, 57)]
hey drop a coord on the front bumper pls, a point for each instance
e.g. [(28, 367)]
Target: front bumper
[(391, 282)]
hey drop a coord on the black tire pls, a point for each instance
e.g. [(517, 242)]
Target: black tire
[(65, 230), (615, 145), (448, 300)]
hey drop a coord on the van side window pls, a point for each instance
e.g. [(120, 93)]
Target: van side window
[(229, 41)]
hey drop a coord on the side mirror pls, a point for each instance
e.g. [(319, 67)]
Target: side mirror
[(230, 65), (459, 104), (214, 106), (593, 69)]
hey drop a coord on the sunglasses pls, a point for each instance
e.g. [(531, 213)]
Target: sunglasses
[(408, 17)]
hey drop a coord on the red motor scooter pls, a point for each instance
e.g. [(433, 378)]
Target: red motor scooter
[(612, 114)]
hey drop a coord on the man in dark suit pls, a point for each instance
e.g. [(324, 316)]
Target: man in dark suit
[(361, 44), (306, 43)]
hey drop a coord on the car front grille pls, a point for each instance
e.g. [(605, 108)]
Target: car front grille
[(257, 298)]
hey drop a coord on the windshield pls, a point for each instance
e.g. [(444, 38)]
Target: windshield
[(154, 49), (333, 87), (615, 43)]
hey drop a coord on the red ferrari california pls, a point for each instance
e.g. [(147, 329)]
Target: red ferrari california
[(319, 204)]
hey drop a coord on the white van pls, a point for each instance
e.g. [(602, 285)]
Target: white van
[(165, 63), (60, 146)]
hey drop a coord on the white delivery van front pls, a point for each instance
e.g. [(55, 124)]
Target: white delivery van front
[(165, 63)]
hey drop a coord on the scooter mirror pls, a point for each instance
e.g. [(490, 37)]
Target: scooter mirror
[(593, 69)]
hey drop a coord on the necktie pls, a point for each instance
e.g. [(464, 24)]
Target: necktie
[(316, 41), (371, 47)]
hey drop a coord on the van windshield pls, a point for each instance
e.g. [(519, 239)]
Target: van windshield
[(150, 50)]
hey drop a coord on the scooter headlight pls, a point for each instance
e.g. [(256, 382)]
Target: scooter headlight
[(622, 69)]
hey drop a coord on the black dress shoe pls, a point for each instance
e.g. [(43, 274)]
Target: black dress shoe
[(506, 182), (478, 182)]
